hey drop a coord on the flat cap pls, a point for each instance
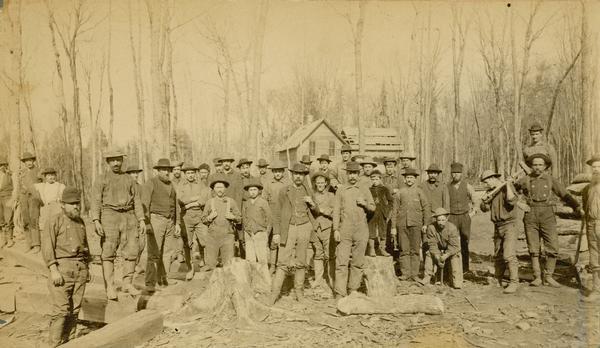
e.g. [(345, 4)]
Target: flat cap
[(440, 211), (376, 172), (48, 170), (535, 127), (133, 168), (204, 166), (227, 158), (243, 161), (188, 166), (408, 155), (27, 156), (114, 153), (387, 159)]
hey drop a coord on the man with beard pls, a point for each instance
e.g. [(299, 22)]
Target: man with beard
[(6, 205), (66, 253), (293, 223), (203, 174), (539, 221), (340, 169), (539, 145), (351, 231), (435, 190), (391, 179), (591, 208), (462, 201), (176, 177), (30, 207), (118, 217), (271, 193)]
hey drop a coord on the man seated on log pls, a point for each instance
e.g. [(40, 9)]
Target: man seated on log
[(591, 207), (410, 216), (293, 223), (322, 235), (257, 221), (221, 215), (500, 200), (65, 251), (351, 231), (443, 241), (378, 221)]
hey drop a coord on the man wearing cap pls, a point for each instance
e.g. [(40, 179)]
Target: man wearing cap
[(192, 197), (257, 222), (133, 170), (159, 196), (271, 193), (325, 169), (351, 231), (540, 222), (367, 165), (203, 174), (410, 216), (340, 168), (49, 194), (591, 207), (176, 178), (218, 165), (6, 205), (221, 214), (391, 179), (501, 206), (406, 160), (324, 222), (263, 172), (118, 217), (378, 222), (437, 193), (462, 202), (30, 207), (539, 145), (443, 243), (66, 253), (293, 223)]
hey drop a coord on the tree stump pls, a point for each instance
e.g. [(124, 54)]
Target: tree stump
[(358, 303), (380, 277)]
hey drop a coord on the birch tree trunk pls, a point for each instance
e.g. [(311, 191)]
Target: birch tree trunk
[(254, 110), (358, 38)]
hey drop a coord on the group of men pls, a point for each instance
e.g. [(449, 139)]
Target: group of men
[(330, 216)]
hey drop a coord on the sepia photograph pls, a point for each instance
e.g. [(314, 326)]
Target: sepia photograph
[(299, 173)]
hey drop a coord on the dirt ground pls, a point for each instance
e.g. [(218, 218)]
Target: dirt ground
[(478, 315)]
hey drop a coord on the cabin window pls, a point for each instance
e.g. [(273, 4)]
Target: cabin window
[(332, 148), (312, 148)]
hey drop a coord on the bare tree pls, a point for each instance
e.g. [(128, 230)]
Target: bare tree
[(459, 33), (111, 95), (254, 109)]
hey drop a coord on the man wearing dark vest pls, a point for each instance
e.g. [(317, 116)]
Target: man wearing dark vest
[(462, 202), (539, 221)]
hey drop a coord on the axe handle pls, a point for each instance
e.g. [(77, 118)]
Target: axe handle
[(579, 238)]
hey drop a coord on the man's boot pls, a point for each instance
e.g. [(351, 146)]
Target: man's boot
[(128, 272), (381, 248), (371, 248), (537, 272), (549, 271), (405, 267), (594, 296), (499, 269), (273, 260), (55, 331), (299, 283), (278, 279), (318, 273), (415, 267), (513, 270), (70, 328), (108, 268), (8, 237)]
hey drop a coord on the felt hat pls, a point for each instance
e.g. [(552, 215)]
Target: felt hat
[(133, 168), (227, 158), (262, 163), (188, 166), (254, 182), (114, 153), (177, 164), (204, 166), (357, 158), (346, 148), (218, 179), (27, 156), (243, 161), (278, 164), (440, 211), (324, 157), (595, 158), (71, 195), (352, 166), (488, 173), (368, 160), (163, 163), (535, 127), (376, 172), (387, 159), (299, 168), (543, 156), (48, 170), (456, 167), (408, 155), (434, 168), (410, 171), (306, 160)]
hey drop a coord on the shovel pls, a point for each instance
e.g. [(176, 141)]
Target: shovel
[(575, 267)]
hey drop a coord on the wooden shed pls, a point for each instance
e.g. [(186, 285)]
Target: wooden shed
[(379, 142), (314, 139)]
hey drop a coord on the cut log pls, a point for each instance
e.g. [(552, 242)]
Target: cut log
[(130, 331), (358, 303), (380, 276)]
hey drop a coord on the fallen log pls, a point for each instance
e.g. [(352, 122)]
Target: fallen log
[(380, 277), (358, 303), (130, 331)]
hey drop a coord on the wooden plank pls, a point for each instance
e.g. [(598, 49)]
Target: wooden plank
[(358, 303), (130, 331)]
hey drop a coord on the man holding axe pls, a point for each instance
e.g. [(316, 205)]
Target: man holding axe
[(591, 207)]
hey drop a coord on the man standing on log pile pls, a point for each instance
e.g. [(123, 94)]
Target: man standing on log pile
[(539, 221), (462, 203), (6, 205), (351, 231), (378, 222), (118, 217), (221, 214), (293, 223), (271, 193), (443, 242), (160, 198), (28, 202), (322, 235), (192, 197), (391, 179), (340, 169), (257, 221), (539, 145), (500, 200), (65, 251), (410, 216), (591, 207)]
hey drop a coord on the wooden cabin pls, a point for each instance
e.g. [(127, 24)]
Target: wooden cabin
[(379, 142)]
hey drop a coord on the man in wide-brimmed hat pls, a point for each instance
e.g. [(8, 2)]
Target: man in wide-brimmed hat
[(540, 223), (6, 205), (293, 222), (271, 190), (539, 145), (28, 202), (66, 253), (118, 217), (443, 244), (410, 217), (351, 231), (340, 167), (160, 199), (502, 213), (462, 207), (49, 193), (591, 207), (192, 197), (434, 188)]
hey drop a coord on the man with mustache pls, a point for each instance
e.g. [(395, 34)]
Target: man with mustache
[(591, 208)]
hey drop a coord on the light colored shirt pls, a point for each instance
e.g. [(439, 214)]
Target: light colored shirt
[(50, 193), (346, 211)]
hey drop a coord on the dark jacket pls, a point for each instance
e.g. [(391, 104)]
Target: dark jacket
[(384, 202), (282, 213)]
